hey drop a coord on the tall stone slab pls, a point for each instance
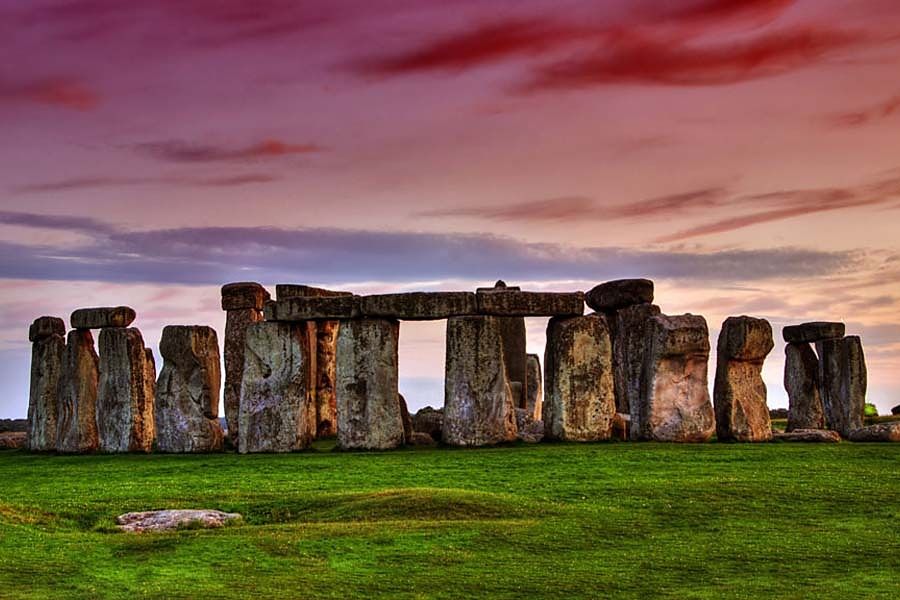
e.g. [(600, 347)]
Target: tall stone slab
[(125, 398), (801, 381), (326, 378), (627, 326), (512, 331), (243, 303), (579, 396), (369, 415), (843, 381), (187, 392), (534, 388), (78, 388), (478, 405), (47, 353), (674, 404), (740, 393), (277, 395)]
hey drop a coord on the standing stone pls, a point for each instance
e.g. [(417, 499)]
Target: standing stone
[(674, 404), (627, 328), (187, 393), (739, 392), (368, 403), (579, 401), (843, 380), (78, 388), (512, 331), (801, 381), (534, 391), (406, 418), (124, 400), (244, 303), (277, 395), (46, 366), (478, 402)]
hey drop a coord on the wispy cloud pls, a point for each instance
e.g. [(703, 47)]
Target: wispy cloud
[(873, 114), (61, 92), (188, 152), (88, 183)]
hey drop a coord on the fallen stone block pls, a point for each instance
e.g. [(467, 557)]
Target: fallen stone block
[(674, 403), (622, 293), (419, 306), (478, 402), (125, 397), (419, 438), (814, 436), (102, 317), (187, 392), (313, 308), (244, 295), (44, 327), (739, 391), (506, 303), (169, 520), (801, 381), (79, 386), (430, 421), (579, 398), (529, 429), (368, 402), (806, 333), (880, 432)]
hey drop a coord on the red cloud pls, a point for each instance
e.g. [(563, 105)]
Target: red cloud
[(186, 152), (720, 11), (883, 110), (63, 92)]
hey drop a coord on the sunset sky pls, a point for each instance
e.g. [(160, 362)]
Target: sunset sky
[(744, 154)]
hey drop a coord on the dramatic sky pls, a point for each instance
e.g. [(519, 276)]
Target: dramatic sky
[(742, 153)]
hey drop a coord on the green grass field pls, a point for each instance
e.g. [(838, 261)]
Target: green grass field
[(549, 520)]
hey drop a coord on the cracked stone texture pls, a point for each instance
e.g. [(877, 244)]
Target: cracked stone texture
[(167, 520), (627, 330), (579, 396), (236, 323), (369, 415), (478, 402), (277, 395), (801, 381), (326, 373), (187, 392), (46, 368), (78, 390), (125, 397), (102, 317), (843, 381)]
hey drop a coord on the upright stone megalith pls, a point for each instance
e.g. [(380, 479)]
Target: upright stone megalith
[(369, 415), (514, 336), (674, 404), (277, 395), (843, 380), (78, 388), (478, 403), (47, 350), (534, 387), (125, 398), (187, 392), (243, 303), (740, 393), (801, 381), (579, 397)]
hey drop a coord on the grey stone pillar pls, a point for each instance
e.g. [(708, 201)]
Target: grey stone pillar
[(843, 382), (801, 381), (47, 350), (534, 393), (125, 397), (78, 389)]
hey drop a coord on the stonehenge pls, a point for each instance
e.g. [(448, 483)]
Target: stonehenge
[(316, 363), (187, 393), (739, 392)]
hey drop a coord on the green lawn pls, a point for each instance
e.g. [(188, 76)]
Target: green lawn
[(550, 520)]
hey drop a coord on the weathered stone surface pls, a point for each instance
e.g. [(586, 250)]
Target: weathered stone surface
[(613, 295), (801, 381), (506, 303), (739, 391), (815, 436), (880, 432), (621, 427), (430, 421), (283, 291), (812, 332), (579, 398), (515, 357), (277, 395), (79, 384), (102, 317), (843, 380), (167, 520), (627, 329), (46, 368), (896, 410), (368, 403), (125, 397), (419, 306), (406, 419), (312, 338), (500, 285), (419, 438), (674, 404), (534, 388), (244, 295), (326, 366), (187, 392), (13, 440), (478, 402), (236, 323), (313, 308), (529, 429), (44, 327)]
